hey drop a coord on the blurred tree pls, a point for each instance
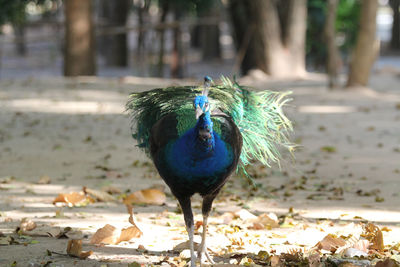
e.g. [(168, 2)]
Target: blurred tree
[(367, 46), (164, 7), (333, 56), (209, 33), (268, 39), (179, 9), (143, 9), (346, 27), (114, 47), (395, 40), (79, 54), (177, 58), (14, 12)]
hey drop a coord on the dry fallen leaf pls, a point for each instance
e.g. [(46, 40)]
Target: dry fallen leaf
[(245, 215), (185, 245), (146, 196), (43, 230), (99, 195), (74, 249), (111, 235), (73, 199), (26, 225), (387, 263), (275, 261), (106, 235), (265, 220), (330, 243), (374, 235)]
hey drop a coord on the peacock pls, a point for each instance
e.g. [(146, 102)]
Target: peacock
[(197, 136)]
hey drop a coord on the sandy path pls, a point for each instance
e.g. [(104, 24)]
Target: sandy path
[(66, 129)]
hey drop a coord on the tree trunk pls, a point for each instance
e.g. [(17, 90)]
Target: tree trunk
[(176, 58), (164, 12), (210, 41), (395, 41), (367, 46), (294, 38), (333, 56), (114, 47), (243, 34), (20, 43), (209, 35), (79, 54), (142, 13), (278, 51)]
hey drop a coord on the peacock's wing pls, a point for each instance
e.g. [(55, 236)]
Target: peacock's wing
[(258, 115), (146, 108)]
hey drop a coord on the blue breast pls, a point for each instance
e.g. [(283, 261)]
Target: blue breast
[(189, 164)]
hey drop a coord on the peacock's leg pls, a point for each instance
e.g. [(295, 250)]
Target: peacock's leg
[(206, 208), (188, 216)]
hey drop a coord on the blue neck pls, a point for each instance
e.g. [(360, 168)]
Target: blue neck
[(204, 146)]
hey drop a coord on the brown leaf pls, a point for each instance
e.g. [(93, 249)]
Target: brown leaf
[(44, 180), (185, 245), (99, 195), (146, 196), (112, 235), (276, 261), (26, 225), (330, 243), (387, 263), (197, 225), (269, 220), (72, 234), (132, 231), (73, 199), (106, 235), (129, 233), (74, 248), (43, 230), (374, 235)]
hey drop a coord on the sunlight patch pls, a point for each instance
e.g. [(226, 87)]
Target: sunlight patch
[(67, 107), (327, 109)]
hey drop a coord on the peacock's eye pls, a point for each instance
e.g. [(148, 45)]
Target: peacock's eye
[(206, 105)]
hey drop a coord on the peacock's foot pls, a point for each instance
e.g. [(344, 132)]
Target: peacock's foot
[(202, 255)]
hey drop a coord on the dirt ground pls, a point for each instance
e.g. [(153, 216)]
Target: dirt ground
[(346, 171)]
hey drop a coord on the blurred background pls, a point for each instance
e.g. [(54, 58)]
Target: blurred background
[(191, 38)]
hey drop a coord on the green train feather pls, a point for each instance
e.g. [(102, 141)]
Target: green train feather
[(258, 115)]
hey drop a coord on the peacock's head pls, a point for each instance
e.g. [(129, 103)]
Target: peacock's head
[(200, 103)]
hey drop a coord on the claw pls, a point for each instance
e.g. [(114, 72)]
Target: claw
[(203, 248)]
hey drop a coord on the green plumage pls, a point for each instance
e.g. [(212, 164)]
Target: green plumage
[(258, 115)]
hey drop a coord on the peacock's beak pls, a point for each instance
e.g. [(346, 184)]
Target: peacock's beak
[(199, 111)]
